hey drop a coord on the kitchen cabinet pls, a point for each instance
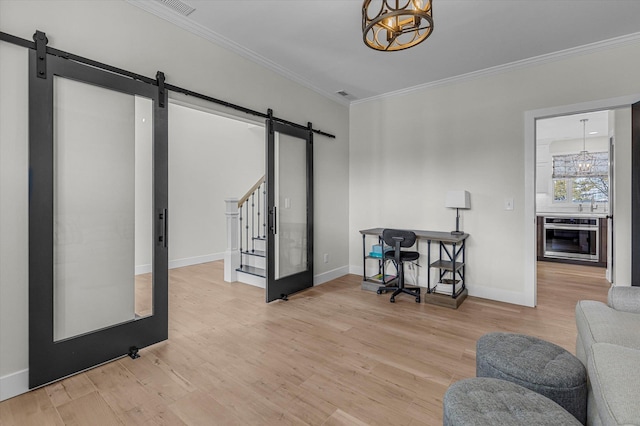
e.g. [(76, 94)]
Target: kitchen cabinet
[(543, 169)]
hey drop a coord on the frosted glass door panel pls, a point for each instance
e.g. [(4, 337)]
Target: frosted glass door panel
[(290, 209), (143, 207), (98, 173), (291, 203)]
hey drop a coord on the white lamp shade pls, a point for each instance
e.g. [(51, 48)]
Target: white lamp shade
[(458, 200)]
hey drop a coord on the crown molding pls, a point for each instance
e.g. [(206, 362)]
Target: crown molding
[(537, 60), (187, 24)]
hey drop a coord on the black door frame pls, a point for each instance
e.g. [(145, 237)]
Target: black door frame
[(635, 194), (49, 360), (281, 288)]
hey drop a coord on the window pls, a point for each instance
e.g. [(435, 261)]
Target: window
[(581, 190), (572, 186)]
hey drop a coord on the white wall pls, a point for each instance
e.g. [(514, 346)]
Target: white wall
[(122, 35), (470, 135), (211, 158), (622, 197), (14, 269)]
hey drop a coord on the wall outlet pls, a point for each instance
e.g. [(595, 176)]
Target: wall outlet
[(508, 203), (326, 258)]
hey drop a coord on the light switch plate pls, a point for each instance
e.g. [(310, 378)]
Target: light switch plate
[(508, 203)]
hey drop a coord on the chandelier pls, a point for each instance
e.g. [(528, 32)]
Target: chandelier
[(396, 27), (584, 160)]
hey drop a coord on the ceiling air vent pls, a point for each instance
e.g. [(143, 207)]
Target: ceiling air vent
[(180, 7), (345, 95)]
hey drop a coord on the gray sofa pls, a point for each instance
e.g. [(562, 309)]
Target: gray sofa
[(608, 344)]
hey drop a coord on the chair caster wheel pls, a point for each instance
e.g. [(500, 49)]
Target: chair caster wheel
[(417, 300), (392, 300)]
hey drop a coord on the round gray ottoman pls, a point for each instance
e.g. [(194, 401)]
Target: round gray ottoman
[(485, 401), (537, 365)]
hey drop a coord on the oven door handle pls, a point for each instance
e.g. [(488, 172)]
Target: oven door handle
[(573, 227)]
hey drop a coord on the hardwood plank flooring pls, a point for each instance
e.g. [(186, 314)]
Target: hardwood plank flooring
[(331, 355)]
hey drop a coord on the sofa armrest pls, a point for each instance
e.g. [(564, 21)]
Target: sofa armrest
[(613, 380), (623, 298)]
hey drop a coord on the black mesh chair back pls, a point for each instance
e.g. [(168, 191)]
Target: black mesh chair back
[(391, 236)]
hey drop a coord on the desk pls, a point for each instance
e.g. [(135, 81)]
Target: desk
[(451, 260)]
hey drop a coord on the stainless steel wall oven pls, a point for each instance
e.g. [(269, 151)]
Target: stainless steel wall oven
[(571, 238)]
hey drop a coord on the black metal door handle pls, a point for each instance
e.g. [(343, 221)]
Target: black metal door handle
[(274, 220), (162, 239)]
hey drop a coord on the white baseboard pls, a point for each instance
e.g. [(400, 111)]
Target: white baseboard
[(357, 270), (475, 290), (317, 279), (330, 275), (251, 279), (143, 269), (179, 263), (14, 384), (188, 261), (500, 295)]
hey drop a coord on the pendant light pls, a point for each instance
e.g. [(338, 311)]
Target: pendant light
[(388, 25), (584, 160)]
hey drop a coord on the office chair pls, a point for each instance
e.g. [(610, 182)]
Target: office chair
[(397, 239)]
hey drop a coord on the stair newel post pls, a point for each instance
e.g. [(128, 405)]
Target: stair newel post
[(234, 238)]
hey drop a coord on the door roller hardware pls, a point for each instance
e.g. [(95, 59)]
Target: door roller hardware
[(133, 352)]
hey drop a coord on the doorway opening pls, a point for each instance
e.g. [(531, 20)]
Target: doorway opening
[(266, 234), (575, 205), (574, 196), (212, 157)]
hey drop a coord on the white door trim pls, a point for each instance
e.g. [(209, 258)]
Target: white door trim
[(530, 118)]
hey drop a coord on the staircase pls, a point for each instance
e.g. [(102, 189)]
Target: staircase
[(246, 237)]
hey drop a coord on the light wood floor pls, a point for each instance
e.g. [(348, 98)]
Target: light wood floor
[(332, 355)]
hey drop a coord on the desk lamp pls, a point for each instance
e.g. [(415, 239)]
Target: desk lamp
[(458, 200)]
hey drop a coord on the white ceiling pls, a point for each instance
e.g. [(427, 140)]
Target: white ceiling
[(570, 126), (319, 42)]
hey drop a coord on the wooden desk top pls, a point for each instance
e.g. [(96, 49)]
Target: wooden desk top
[(446, 237)]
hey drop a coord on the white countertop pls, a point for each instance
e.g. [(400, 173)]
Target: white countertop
[(583, 214)]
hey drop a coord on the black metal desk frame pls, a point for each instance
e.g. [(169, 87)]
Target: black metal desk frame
[(451, 259)]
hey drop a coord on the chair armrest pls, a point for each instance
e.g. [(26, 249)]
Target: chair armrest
[(623, 298)]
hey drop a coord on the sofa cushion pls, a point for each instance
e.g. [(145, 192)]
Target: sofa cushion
[(625, 299), (536, 364), (482, 401), (598, 323), (615, 381)]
